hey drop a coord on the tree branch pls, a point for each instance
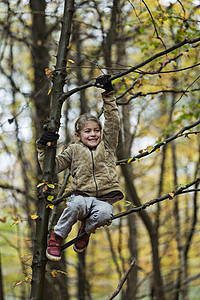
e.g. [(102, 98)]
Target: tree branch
[(171, 195), (121, 283), (64, 96), (158, 145), (181, 190)]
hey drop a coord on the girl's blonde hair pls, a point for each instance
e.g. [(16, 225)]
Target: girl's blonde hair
[(83, 119)]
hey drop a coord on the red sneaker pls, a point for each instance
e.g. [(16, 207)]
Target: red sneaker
[(54, 247), (81, 244)]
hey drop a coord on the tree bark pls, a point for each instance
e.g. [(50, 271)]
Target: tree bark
[(39, 259), (40, 57), (157, 278)]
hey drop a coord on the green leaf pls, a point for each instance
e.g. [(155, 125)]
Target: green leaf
[(51, 186), (50, 198), (141, 29)]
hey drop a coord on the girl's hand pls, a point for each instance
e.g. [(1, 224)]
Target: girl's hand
[(104, 83), (48, 136)]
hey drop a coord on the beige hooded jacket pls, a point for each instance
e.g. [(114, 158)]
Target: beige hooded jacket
[(93, 170)]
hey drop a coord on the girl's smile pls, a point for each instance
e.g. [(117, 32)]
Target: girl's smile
[(90, 135)]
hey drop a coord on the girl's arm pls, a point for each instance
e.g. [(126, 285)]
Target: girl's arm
[(112, 120)]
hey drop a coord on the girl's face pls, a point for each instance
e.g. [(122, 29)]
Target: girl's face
[(90, 135)]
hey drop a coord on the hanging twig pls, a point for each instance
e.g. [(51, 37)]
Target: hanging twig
[(156, 31)]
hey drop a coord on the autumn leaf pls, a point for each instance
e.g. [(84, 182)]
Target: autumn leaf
[(50, 198), (49, 92), (51, 206), (18, 283), (28, 278), (51, 186), (16, 221), (174, 63), (128, 203), (45, 188), (34, 217), (3, 220), (171, 195), (150, 149), (48, 72), (54, 273), (183, 186), (129, 160), (40, 184)]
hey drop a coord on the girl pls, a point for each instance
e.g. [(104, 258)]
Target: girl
[(91, 160)]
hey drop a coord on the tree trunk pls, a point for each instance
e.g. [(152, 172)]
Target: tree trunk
[(39, 259), (40, 57), (157, 278)]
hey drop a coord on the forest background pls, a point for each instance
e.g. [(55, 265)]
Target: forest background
[(151, 50)]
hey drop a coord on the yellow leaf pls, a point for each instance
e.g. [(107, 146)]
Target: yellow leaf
[(48, 72), (149, 147), (17, 222), (28, 278), (18, 283), (70, 60), (174, 63), (54, 273), (49, 92), (51, 206), (34, 217), (129, 160), (40, 184), (158, 150), (50, 198), (171, 195)]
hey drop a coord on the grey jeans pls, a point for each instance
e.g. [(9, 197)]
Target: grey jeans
[(97, 213)]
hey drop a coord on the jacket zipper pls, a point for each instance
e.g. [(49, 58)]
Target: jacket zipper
[(94, 173)]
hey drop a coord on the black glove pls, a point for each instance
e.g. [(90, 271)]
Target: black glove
[(102, 82), (48, 136)]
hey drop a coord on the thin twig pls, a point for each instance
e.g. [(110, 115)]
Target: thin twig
[(154, 24), (158, 145), (187, 89), (123, 280)]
